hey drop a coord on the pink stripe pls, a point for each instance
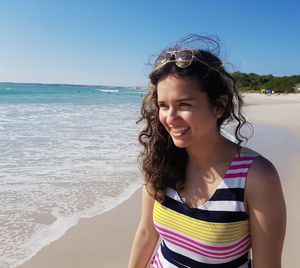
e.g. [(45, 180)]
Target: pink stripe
[(240, 166), (154, 264), (199, 252), (236, 175), (156, 261), (161, 229), (204, 252), (243, 158)]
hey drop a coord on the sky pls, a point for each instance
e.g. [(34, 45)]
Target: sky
[(109, 42)]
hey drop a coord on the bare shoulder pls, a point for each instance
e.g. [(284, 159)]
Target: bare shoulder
[(263, 173), (267, 213), (147, 202), (263, 185)]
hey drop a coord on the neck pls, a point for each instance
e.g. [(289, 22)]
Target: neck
[(211, 153)]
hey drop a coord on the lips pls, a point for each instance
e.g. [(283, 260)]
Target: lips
[(178, 131)]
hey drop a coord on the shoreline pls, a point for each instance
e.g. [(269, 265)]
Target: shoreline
[(79, 248), (105, 240), (59, 227)]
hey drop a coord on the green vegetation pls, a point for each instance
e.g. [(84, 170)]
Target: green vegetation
[(254, 82)]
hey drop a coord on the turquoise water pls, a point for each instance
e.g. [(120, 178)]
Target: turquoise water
[(67, 152), (42, 93)]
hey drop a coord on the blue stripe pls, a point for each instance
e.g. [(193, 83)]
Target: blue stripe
[(230, 194), (205, 215)]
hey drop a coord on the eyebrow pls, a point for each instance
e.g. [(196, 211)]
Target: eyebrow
[(185, 99), (179, 100)]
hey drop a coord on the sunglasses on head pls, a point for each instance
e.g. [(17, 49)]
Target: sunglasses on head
[(182, 58)]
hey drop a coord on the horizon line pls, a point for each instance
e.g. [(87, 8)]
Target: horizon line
[(69, 84)]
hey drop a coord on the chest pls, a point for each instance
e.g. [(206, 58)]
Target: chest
[(200, 186)]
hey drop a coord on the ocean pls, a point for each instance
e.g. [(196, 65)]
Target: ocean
[(67, 152)]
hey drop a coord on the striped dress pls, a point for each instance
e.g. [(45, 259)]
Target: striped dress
[(213, 235)]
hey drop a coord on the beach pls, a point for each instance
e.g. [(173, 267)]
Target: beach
[(105, 240), (68, 153)]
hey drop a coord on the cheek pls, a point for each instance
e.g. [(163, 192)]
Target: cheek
[(162, 117)]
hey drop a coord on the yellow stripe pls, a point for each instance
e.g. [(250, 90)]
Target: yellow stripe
[(181, 217), (192, 223), (216, 233), (213, 238)]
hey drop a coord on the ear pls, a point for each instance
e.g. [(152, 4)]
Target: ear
[(223, 100)]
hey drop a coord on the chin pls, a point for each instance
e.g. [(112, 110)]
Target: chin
[(180, 144)]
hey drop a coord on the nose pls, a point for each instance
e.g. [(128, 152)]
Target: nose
[(172, 116)]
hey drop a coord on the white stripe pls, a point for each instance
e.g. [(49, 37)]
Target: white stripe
[(173, 194), (232, 205), (241, 162), (224, 206), (232, 183), (235, 171)]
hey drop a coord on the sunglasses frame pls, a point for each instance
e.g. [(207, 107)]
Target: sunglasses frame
[(174, 54)]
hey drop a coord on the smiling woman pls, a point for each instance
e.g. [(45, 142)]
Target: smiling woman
[(203, 193)]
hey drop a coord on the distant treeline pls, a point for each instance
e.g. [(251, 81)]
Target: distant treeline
[(255, 82)]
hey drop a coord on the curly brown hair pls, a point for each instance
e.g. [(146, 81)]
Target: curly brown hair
[(164, 164)]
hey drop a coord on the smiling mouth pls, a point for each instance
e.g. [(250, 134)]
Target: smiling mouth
[(179, 131)]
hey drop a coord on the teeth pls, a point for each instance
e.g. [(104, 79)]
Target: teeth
[(179, 129)]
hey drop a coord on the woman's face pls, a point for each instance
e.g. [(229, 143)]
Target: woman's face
[(185, 112)]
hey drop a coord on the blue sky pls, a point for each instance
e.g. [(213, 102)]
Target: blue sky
[(110, 42)]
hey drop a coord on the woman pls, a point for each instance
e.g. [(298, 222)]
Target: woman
[(206, 200)]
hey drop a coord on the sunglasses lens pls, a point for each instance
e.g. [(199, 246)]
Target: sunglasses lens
[(184, 58), (163, 58)]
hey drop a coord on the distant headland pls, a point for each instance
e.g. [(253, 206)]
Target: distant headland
[(260, 83)]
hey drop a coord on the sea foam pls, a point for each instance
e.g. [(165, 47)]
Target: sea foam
[(64, 156)]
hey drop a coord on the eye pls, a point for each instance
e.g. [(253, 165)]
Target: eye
[(185, 104), (162, 105)]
